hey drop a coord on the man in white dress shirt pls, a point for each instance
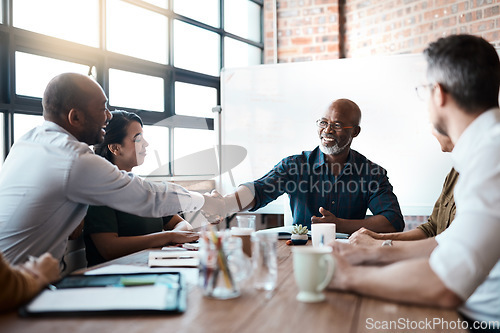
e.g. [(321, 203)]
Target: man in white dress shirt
[(460, 267), (51, 175)]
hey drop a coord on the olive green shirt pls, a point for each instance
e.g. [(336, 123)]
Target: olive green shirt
[(444, 208)]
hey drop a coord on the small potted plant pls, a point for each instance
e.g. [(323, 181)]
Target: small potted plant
[(299, 235)]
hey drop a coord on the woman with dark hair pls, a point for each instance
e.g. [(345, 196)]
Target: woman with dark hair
[(109, 233)]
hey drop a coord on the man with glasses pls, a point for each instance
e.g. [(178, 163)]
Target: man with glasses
[(332, 181), (460, 268)]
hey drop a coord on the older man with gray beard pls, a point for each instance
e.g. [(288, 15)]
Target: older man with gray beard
[(334, 180)]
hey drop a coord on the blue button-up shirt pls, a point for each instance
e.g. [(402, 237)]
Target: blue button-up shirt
[(310, 184)]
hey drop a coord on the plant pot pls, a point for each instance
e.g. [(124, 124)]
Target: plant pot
[(299, 239)]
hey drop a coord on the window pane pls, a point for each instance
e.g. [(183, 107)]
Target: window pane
[(196, 49), (137, 32), (136, 91), (156, 161), (206, 11), (242, 18), (24, 122), (34, 72), (192, 141), (239, 54), (194, 100), (159, 3), (76, 21)]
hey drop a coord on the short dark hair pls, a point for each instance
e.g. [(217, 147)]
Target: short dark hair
[(116, 131), (63, 93), (468, 68)]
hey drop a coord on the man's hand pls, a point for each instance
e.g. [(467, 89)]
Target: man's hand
[(327, 217), (45, 269), (355, 255), (365, 237), (341, 276), (214, 208)]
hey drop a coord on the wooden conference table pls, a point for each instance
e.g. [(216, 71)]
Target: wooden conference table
[(253, 311)]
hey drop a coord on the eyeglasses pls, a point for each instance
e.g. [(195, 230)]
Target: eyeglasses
[(337, 127), (423, 91)]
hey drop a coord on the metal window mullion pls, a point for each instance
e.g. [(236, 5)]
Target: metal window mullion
[(171, 161)]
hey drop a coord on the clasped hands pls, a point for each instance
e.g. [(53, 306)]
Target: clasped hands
[(214, 209)]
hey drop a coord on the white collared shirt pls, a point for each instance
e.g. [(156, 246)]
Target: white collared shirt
[(47, 182), (468, 252)]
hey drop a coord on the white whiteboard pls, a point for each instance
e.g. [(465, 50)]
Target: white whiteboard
[(271, 110)]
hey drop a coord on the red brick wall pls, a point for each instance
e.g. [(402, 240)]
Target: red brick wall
[(309, 29)]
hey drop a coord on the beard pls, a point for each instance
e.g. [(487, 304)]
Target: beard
[(335, 149)]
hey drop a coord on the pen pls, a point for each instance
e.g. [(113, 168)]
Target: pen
[(179, 257)]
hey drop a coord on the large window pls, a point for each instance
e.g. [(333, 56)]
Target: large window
[(159, 58)]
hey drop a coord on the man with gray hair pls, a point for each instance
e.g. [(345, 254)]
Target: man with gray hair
[(333, 180), (460, 267)]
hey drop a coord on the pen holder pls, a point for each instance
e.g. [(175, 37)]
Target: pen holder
[(222, 265)]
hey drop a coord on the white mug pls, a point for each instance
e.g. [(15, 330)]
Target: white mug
[(322, 233), (313, 269)]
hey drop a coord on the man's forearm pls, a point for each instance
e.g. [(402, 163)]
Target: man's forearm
[(377, 223), (241, 200), (360, 255), (416, 283)]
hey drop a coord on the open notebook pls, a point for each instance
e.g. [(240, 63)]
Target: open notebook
[(77, 295)]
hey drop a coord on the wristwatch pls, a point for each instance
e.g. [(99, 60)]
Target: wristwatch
[(387, 242)]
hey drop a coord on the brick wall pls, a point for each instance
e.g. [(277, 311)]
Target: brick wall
[(309, 29)]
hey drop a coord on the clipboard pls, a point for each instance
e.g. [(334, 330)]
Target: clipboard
[(111, 294)]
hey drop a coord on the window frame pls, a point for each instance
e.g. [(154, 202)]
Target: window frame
[(15, 40)]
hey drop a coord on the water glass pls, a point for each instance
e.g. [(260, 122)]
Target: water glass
[(265, 261)]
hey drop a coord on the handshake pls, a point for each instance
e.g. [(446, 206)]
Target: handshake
[(216, 207)]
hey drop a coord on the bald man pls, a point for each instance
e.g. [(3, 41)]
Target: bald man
[(51, 175), (332, 181)]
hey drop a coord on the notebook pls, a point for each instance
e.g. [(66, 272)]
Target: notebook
[(114, 294)]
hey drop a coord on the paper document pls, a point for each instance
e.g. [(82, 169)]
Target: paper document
[(100, 299)]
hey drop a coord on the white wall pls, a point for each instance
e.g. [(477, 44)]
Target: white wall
[(271, 110)]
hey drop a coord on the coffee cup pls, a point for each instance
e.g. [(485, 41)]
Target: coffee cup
[(313, 269), (246, 238), (322, 233)]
